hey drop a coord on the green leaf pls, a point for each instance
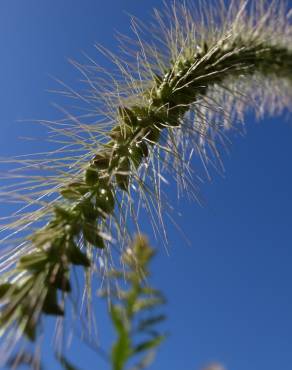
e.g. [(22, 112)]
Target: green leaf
[(149, 344), (145, 304), (117, 317), (146, 324), (152, 292), (121, 350)]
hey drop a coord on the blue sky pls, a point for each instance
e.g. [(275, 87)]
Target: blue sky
[(229, 292)]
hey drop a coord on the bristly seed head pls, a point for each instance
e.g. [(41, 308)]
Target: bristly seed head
[(176, 97)]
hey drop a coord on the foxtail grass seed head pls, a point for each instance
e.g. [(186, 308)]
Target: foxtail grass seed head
[(177, 95)]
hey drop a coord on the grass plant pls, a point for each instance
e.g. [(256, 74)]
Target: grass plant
[(167, 99)]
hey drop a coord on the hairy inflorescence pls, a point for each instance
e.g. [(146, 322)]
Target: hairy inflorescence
[(169, 98)]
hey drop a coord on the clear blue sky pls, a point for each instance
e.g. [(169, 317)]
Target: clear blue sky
[(229, 293)]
